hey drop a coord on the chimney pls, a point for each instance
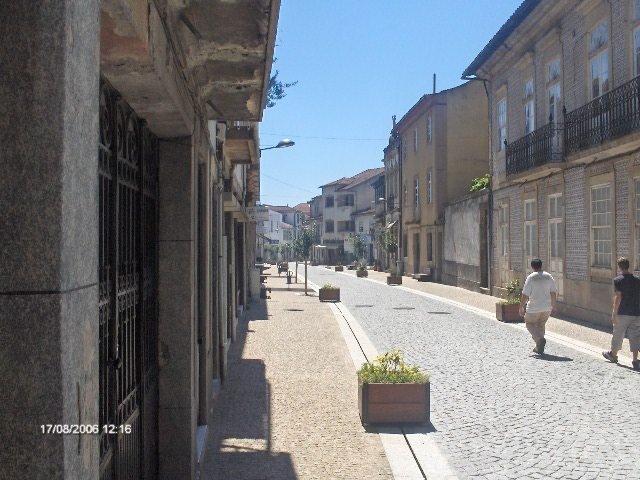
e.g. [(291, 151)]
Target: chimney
[(434, 83)]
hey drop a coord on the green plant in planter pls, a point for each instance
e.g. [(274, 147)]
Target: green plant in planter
[(362, 267), (328, 286), (514, 293), (391, 368)]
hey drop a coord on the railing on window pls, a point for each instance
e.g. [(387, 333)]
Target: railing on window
[(608, 117), (540, 147)]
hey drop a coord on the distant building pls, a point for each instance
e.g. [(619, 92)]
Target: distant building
[(344, 201), (444, 145)]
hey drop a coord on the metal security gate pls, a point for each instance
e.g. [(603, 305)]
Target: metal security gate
[(128, 312)]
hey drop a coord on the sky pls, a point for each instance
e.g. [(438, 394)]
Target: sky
[(357, 63)]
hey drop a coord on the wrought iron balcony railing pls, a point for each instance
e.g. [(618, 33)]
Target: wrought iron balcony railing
[(540, 147), (610, 116)]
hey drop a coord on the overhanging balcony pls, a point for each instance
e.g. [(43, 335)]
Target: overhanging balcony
[(242, 143), (540, 147), (610, 116)]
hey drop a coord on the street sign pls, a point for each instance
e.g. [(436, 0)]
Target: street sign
[(258, 213)]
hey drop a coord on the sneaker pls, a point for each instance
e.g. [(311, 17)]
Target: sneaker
[(539, 348), (610, 357), (636, 364)]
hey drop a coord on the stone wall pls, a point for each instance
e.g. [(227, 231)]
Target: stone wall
[(465, 242)]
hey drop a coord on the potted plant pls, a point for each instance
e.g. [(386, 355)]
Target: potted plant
[(329, 293), (390, 391), (394, 278), (507, 309), (339, 267), (362, 271)]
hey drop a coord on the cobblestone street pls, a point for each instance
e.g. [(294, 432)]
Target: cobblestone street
[(500, 411)]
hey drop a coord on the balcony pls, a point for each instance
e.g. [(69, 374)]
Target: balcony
[(540, 147), (610, 116), (242, 143)]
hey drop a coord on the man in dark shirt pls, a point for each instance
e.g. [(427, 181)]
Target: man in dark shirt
[(625, 315)]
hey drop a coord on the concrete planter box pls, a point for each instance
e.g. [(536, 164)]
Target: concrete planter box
[(394, 279), (508, 313), (394, 402), (362, 273), (339, 268), (329, 295)]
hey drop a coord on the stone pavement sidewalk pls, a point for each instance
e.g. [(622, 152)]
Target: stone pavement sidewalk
[(288, 408)]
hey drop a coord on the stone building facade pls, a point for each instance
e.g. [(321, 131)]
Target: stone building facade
[(565, 133), (344, 203), (130, 152), (443, 147)]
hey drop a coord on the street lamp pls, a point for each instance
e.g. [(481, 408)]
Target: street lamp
[(284, 143)]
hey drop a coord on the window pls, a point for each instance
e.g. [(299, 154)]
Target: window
[(328, 226), (416, 188), (429, 247), (347, 226), (553, 90), (345, 201), (553, 93), (599, 60), (429, 129), (600, 74), (404, 194), (360, 227), (404, 148), (415, 139), (502, 124), (328, 202), (503, 221), (429, 186), (555, 226), (599, 36), (553, 70), (601, 218), (529, 115), (530, 247)]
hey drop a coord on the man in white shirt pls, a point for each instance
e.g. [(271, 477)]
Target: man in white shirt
[(539, 296)]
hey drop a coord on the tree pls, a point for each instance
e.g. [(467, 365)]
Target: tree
[(359, 245), (302, 247), (303, 243), (277, 88)]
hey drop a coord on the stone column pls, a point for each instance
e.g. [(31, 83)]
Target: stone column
[(48, 237), (177, 308)]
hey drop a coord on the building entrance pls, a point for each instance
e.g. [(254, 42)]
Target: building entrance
[(128, 307)]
